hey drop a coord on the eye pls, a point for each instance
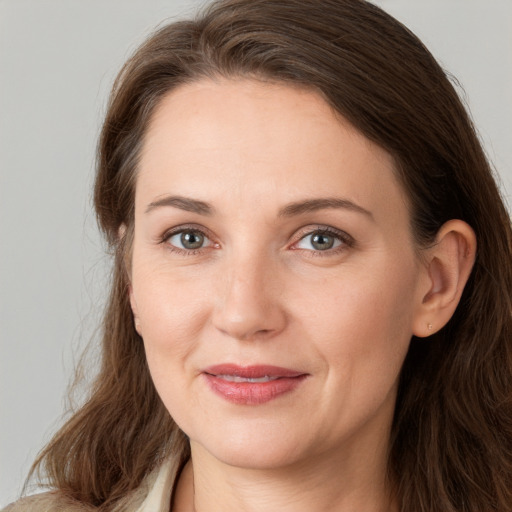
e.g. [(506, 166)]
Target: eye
[(323, 240), (189, 240)]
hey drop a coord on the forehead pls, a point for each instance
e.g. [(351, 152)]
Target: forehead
[(212, 138)]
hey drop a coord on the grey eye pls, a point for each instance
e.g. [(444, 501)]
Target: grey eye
[(188, 240), (319, 241)]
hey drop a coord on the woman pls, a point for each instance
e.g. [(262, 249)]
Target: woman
[(311, 298)]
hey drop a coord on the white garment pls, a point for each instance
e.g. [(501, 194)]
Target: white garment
[(159, 496), (153, 495)]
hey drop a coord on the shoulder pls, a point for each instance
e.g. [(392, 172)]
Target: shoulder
[(153, 495), (46, 502)]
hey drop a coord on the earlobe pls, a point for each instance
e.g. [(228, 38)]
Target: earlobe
[(448, 266)]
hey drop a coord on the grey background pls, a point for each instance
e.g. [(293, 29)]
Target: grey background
[(57, 61)]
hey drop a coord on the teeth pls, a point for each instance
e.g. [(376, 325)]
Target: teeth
[(236, 378)]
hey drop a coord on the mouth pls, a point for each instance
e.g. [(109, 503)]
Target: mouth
[(252, 385), (236, 378)]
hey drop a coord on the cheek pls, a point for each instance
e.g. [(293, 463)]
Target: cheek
[(363, 323), (171, 320), (166, 301), (379, 299), (171, 313)]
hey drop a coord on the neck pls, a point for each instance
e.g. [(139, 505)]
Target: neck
[(330, 483)]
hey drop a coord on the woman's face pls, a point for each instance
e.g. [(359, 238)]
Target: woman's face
[(274, 277)]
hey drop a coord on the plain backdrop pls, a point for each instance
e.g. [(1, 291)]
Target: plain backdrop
[(57, 62)]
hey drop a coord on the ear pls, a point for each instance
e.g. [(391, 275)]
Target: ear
[(121, 233), (135, 311), (448, 264)]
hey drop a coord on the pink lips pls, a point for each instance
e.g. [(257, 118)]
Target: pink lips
[(251, 385)]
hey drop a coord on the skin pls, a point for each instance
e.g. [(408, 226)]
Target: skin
[(259, 292)]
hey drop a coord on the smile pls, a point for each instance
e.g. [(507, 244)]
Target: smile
[(236, 378), (252, 385)]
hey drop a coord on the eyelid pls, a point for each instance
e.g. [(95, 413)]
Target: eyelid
[(346, 240), (164, 238)]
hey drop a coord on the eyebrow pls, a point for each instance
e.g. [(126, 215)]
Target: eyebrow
[(183, 203), (313, 205), (290, 210)]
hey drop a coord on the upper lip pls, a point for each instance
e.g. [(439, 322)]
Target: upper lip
[(253, 371)]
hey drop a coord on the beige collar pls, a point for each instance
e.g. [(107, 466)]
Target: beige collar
[(159, 496)]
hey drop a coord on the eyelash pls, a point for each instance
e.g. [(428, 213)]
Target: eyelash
[(183, 229), (346, 241)]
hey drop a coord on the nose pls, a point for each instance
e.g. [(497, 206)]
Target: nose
[(250, 301)]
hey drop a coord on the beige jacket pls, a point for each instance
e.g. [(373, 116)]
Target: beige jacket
[(153, 495)]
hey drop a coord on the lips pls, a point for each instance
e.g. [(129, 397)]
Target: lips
[(252, 385)]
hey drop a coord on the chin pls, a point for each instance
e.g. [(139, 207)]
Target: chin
[(250, 448)]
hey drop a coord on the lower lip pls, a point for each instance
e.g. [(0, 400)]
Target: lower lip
[(252, 393)]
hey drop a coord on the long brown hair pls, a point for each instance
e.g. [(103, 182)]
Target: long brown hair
[(451, 446)]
